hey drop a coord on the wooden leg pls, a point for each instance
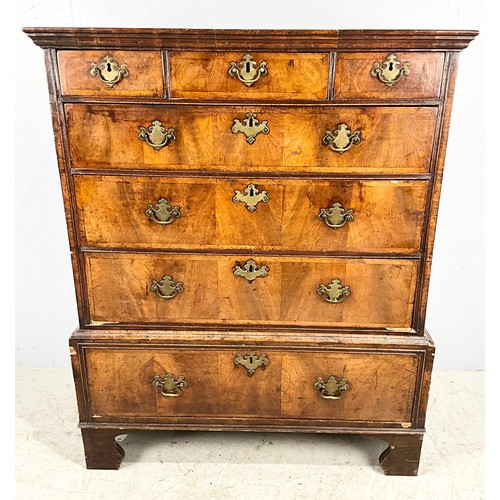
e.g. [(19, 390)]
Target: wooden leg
[(402, 456), (101, 449)]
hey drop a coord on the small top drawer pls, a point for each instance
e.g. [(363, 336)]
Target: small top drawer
[(236, 75), (393, 75), (120, 73)]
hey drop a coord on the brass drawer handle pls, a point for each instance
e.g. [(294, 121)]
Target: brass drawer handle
[(170, 387), (336, 216), (391, 70), (251, 127), (167, 288), (156, 135), (108, 71), (251, 361), (247, 70), (341, 139), (251, 197), (250, 270), (334, 292), (162, 213), (332, 388)]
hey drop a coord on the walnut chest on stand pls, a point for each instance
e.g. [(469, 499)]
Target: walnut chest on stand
[(251, 216)]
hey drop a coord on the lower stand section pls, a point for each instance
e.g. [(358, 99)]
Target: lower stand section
[(400, 458)]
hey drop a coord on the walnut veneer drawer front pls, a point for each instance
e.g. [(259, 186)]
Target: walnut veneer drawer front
[(330, 139), (111, 73), (236, 75), (250, 290), (271, 214), (368, 387), (395, 75)]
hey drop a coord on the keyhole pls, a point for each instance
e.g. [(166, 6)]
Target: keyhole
[(248, 67), (251, 360), (251, 122), (251, 268), (251, 191), (391, 66), (109, 67)]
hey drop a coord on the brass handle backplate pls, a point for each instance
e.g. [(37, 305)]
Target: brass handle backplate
[(109, 71), (334, 292), (247, 70), (336, 216), (341, 139), (167, 288), (391, 70), (332, 388), (156, 135), (170, 387), (162, 212), (251, 127), (251, 361), (251, 197), (250, 270)]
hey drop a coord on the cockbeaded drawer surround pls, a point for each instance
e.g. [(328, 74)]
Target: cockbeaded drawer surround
[(251, 216)]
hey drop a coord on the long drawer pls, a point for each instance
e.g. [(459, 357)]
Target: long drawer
[(325, 139), (271, 214), (346, 387), (165, 289)]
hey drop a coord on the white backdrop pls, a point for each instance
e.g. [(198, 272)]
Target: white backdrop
[(45, 301)]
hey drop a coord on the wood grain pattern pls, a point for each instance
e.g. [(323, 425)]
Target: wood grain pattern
[(145, 73), (388, 215), (119, 290), (353, 79), (104, 137), (204, 75), (381, 386), (120, 385)]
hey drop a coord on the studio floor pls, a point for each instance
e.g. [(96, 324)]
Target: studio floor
[(191, 465)]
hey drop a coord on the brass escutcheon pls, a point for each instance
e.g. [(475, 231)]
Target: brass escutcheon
[(391, 70), (251, 127), (156, 135), (331, 389), (247, 70), (251, 197), (341, 139), (250, 270), (162, 212), (166, 288), (251, 361), (334, 292), (108, 71), (170, 387), (336, 216)]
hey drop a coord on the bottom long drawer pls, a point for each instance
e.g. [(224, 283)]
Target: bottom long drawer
[(348, 386), (152, 288)]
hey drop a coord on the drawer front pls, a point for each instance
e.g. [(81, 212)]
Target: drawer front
[(203, 289), (355, 76), (140, 212), (91, 72), (236, 75), (377, 140), (381, 387)]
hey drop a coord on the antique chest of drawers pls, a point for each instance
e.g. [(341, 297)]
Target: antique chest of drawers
[(251, 217)]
